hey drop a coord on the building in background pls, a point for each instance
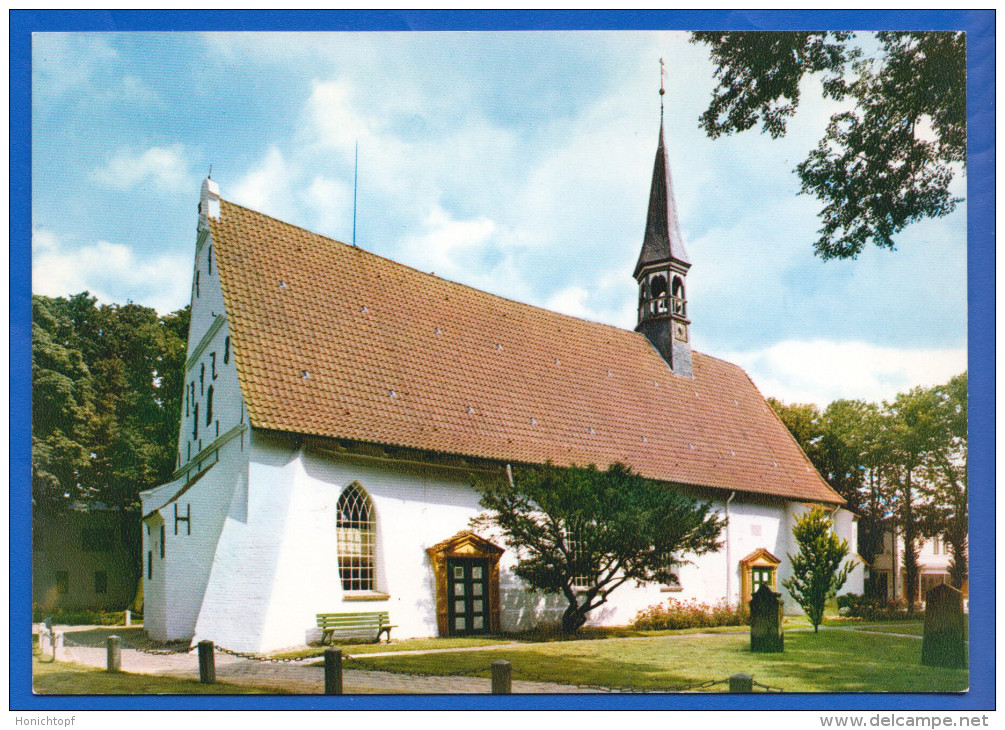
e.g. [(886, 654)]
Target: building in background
[(84, 558)]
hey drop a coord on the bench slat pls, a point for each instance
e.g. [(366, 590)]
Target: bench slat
[(378, 621)]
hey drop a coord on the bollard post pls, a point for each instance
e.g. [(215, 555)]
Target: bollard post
[(207, 669), (741, 683), (502, 677), (114, 654), (44, 641), (333, 671), (128, 618), (57, 645)]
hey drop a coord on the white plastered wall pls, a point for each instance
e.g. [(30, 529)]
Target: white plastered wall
[(276, 564), (220, 444)]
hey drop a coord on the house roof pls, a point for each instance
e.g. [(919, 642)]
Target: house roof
[(334, 341), (663, 240)]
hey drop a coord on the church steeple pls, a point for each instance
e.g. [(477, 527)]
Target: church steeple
[(662, 269)]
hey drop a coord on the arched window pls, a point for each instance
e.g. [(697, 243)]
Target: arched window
[(356, 528), (677, 290), (658, 290)]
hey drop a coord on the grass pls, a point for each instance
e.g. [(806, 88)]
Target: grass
[(831, 661), (64, 678)]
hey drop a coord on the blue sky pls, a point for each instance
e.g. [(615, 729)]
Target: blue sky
[(516, 162)]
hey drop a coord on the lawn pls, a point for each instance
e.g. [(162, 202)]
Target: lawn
[(64, 678), (460, 642), (830, 661)]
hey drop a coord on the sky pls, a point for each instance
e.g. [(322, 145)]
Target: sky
[(515, 162)]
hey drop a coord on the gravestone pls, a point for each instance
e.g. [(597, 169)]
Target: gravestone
[(766, 621), (945, 643)]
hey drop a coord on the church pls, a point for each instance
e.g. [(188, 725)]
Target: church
[(338, 404)]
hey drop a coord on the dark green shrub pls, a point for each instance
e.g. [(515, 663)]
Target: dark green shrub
[(871, 608)]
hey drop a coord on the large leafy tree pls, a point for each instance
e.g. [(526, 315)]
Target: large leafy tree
[(888, 157), (583, 532), (911, 435), (841, 441), (106, 399), (817, 573), (944, 489)]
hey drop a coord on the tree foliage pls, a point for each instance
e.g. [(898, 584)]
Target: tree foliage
[(887, 159), (817, 573), (902, 465), (106, 400), (583, 532)]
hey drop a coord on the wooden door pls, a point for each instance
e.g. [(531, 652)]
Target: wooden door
[(468, 591)]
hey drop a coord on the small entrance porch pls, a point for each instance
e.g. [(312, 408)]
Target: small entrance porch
[(466, 568)]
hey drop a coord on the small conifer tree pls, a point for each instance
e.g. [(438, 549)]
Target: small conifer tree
[(817, 573)]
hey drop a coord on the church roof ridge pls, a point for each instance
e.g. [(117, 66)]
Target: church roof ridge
[(433, 274)]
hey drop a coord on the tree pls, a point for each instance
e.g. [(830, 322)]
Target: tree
[(106, 400), (817, 574), (944, 489), (911, 435), (888, 158), (841, 441), (583, 532)]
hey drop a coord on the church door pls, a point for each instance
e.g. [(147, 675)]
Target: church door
[(468, 588)]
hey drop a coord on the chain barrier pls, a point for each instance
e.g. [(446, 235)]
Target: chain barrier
[(252, 656), (767, 688), (360, 662), (519, 674)]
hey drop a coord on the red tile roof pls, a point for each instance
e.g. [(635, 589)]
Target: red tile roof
[(332, 340)]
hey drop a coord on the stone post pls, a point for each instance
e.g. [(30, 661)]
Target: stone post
[(44, 640), (57, 645), (741, 683), (333, 671), (944, 643), (766, 621), (207, 667), (128, 618), (114, 654), (502, 678)]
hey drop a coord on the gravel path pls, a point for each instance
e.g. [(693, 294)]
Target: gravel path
[(86, 645)]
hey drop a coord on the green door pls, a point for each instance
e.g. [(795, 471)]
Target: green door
[(759, 576), (468, 589)]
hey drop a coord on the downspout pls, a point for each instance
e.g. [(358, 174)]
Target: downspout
[(729, 556), (509, 473)]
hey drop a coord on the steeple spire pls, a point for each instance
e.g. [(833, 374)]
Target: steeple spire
[(662, 239), (663, 265)]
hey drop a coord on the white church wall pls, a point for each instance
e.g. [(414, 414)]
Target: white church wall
[(276, 565), (173, 596), (154, 590)]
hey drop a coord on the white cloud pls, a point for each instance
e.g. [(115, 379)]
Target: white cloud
[(268, 187), (113, 272), (821, 371), (164, 167), (445, 242)]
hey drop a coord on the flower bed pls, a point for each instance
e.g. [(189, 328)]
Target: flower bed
[(677, 614)]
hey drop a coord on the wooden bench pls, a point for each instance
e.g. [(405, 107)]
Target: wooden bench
[(345, 623)]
